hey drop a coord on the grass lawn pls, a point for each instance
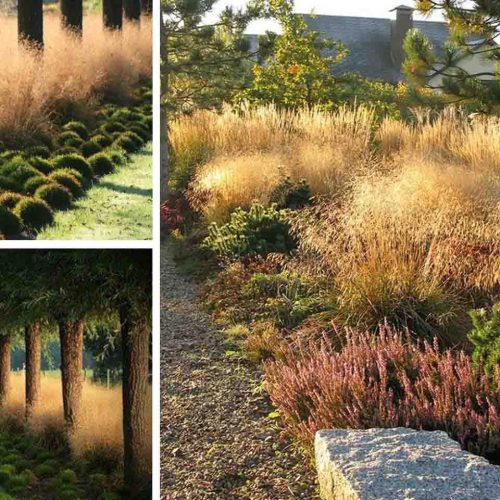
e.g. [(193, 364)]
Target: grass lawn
[(118, 207)]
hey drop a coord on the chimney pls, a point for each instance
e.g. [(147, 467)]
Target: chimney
[(399, 29)]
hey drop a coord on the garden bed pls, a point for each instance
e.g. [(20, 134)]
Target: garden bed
[(42, 179)]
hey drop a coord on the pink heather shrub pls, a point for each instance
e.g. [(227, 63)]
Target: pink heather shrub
[(386, 381)]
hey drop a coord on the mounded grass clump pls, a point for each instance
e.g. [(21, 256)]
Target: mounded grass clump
[(113, 126), (18, 171), (69, 138), (10, 199), (116, 156), (75, 162), (34, 213), (9, 222), (101, 164), (40, 151), (33, 183), (41, 164), (141, 131), (130, 142), (90, 148), (66, 178), (104, 140), (57, 196), (77, 127), (68, 150)]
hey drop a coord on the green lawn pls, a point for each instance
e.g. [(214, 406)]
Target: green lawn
[(118, 207)]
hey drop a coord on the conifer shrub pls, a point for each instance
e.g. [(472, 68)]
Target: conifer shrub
[(10, 199), (90, 148), (79, 128), (385, 380), (104, 140), (485, 337), (33, 183), (69, 138), (9, 155), (101, 164), (34, 213), (258, 231), (75, 162), (57, 196), (9, 222), (41, 164), (68, 179)]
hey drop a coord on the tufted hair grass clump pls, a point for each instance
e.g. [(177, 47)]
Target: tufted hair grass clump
[(101, 164), (90, 148), (9, 223), (69, 179), (34, 213), (57, 196), (77, 127), (76, 162)]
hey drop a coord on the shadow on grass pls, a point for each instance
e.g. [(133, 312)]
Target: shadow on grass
[(126, 189)]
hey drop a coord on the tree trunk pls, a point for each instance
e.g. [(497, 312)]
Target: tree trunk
[(147, 7), (112, 12), (30, 21), (72, 15), (71, 338), (132, 9), (135, 345), (33, 345), (5, 348), (163, 116)]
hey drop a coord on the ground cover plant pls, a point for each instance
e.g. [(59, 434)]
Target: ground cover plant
[(83, 108), (40, 462), (395, 227)]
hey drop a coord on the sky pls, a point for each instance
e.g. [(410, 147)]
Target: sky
[(364, 8)]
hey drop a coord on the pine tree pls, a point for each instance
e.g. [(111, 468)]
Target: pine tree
[(30, 21), (202, 65), (473, 32), (112, 13), (72, 15), (132, 9)]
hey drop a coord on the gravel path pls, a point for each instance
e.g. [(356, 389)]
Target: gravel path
[(217, 441)]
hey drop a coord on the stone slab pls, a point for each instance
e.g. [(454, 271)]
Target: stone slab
[(400, 463)]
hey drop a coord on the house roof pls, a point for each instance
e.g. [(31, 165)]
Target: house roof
[(369, 42)]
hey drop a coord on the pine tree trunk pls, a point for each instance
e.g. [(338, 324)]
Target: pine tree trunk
[(164, 159), (30, 21), (71, 338), (147, 7), (33, 346), (132, 9), (135, 345), (72, 15), (5, 348), (112, 12)]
